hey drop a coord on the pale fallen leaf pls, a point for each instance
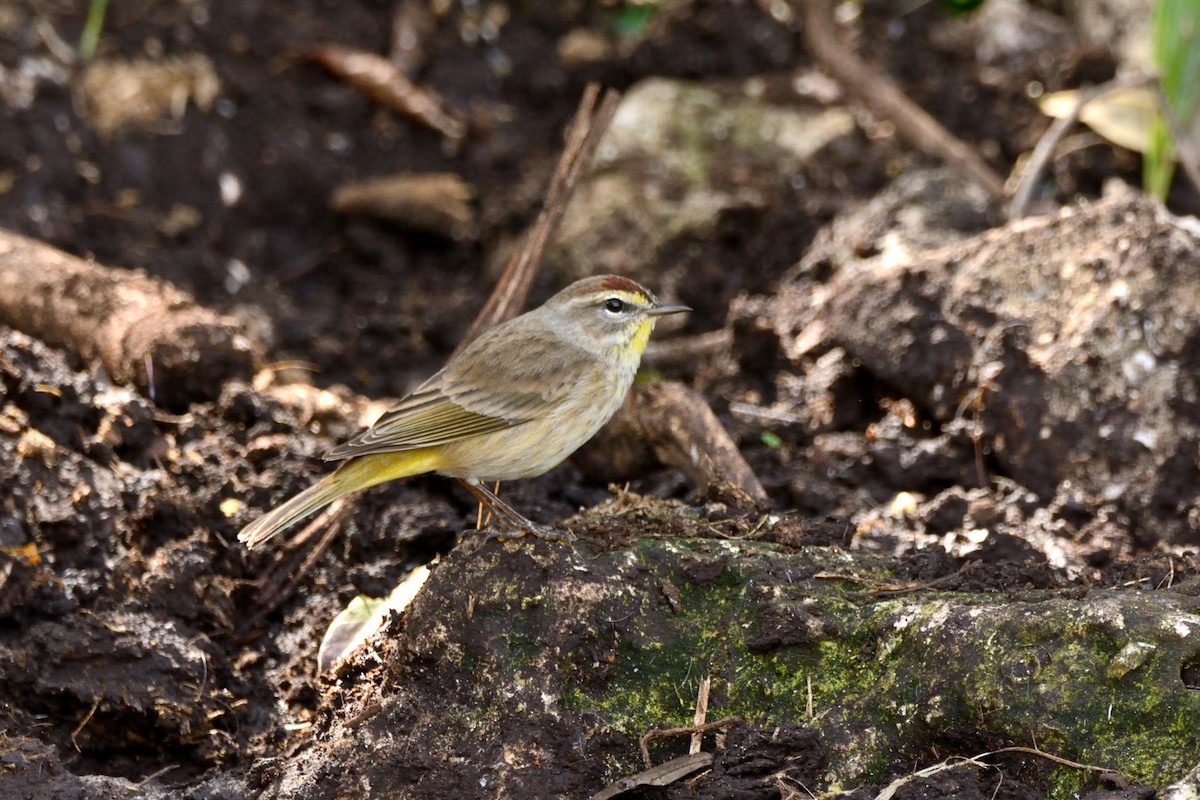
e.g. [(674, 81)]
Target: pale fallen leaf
[(437, 202), (363, 616), (1123, 116)]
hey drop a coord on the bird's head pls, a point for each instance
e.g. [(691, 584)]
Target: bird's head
[(612, 312)]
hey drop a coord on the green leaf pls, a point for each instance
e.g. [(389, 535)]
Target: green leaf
[(1175, 49), (961, 6), (631, 19)]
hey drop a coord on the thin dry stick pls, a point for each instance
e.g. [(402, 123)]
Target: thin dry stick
[(86, 719), (480, 520), (964, 570), (1046, 147), (663, 733), (156, 774), (701, 713), (1043, 151), (508, 298), (890, 790), (882, 97), (1049, 757), (1170, 579)]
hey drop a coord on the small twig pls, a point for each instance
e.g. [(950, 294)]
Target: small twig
[(999, 783), (664, 733), (884, 98), (368, 711), (156, 774), (1170, 579), (512, 289), (840, 576), (86, 719), (1041, 156), (701, 713), (888, 590), (1047, 146), (1044, 151), (890, 790), (965, 569), (1040, 159), (1066, 762)]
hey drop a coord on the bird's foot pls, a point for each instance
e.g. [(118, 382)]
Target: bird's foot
[(522, 526), (542, 532)]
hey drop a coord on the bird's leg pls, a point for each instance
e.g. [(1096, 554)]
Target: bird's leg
[(488, 519), (480, 521), (509, 515)]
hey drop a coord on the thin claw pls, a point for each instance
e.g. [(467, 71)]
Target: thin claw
[(503, 536)]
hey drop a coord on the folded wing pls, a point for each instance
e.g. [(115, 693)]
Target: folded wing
[(455, 404)]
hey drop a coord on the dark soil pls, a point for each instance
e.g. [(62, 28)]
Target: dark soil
[(137, 643)]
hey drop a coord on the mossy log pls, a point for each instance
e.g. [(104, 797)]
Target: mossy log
[(584, 651)]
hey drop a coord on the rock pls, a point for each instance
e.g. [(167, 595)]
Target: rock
[(583, 651), (677, 156), (32, 770), (147, 93), (136, 672), (922, 210), (1012, 37), (1073, 340), (1122, 26)]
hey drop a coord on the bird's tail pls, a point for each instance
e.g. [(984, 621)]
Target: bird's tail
[(350, 477)]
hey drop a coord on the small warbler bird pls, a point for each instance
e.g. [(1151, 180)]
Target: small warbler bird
[(514, 404)]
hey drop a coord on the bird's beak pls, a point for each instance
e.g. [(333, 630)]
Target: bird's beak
[(661, 310)]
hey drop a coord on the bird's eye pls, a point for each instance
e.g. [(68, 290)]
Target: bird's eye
[(614, 305)]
